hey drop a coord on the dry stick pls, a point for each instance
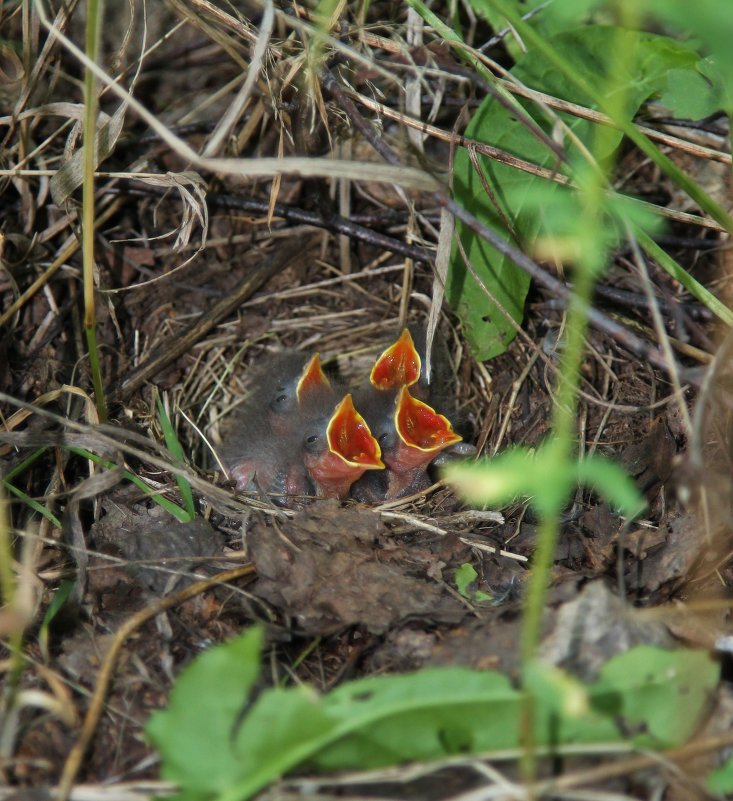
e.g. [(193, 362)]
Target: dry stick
[(333, 222), (96, 705), (603, 323), (175, 346), (633, 764), (516, 88)]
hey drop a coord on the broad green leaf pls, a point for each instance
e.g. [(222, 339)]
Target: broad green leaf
[(194, 734), (713, 68), (711, 23), (374, 722), (563, 712), (690, 95), (215, 746), (548, 19), (658, 694), (282, 730), (721, 780), (511, 214), (425, 715), (612, 483)]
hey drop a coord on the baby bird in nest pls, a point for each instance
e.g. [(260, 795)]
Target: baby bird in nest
[(297, 437), (302, 435)]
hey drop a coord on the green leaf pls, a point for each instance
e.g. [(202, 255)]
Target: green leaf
[(659, 694), (161, 500), (711, 23), (689, 95), (194, 735), (33, 503), (425, 715), (174, 446), (713, 68), (374, 722), (562, 708), (215, 747), (284, 728), (465, 578), (612, 483), (555, 17), (59, 599), (692, 285), (721, 780), (539, 475), (510, 212)]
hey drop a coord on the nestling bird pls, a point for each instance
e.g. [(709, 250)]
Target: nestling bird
[(291, 442), (337, 457), (409, 431), (290, 383), (398, 366)]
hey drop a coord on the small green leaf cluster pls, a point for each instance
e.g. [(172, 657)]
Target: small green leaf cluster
[(465, 576), (544, 477)]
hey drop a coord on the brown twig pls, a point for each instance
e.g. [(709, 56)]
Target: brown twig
[(505, 157), (333, 222)]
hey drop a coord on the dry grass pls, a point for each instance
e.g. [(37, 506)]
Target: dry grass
[(198, 105)]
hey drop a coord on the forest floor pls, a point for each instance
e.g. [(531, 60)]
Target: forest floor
[(200, 282)]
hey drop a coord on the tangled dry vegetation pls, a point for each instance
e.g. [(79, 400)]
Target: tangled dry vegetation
[(245, 213)]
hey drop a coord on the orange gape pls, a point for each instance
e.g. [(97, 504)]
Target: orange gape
[(296, 441), (410, 432), (420, 426), (313, 381), (350, 450), (398, 366)]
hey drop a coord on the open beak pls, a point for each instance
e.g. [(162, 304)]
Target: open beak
[(313, 380), (422, 432), (350, 439), (398, 366), (351, 451)]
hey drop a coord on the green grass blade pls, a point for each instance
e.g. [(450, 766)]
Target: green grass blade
[(174, 446), (692, 285), (169, 506), (34, 504)]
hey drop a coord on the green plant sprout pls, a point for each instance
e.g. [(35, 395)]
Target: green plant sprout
[(465, 577)]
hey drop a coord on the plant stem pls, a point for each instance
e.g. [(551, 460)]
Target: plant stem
[(9, 599), (590, 263), (87, 215)]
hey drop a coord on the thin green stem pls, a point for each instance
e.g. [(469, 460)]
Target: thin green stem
[(8, 599), (590, 263), (87, 214)]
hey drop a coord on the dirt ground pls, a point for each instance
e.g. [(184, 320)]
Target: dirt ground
[(344, 589)]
